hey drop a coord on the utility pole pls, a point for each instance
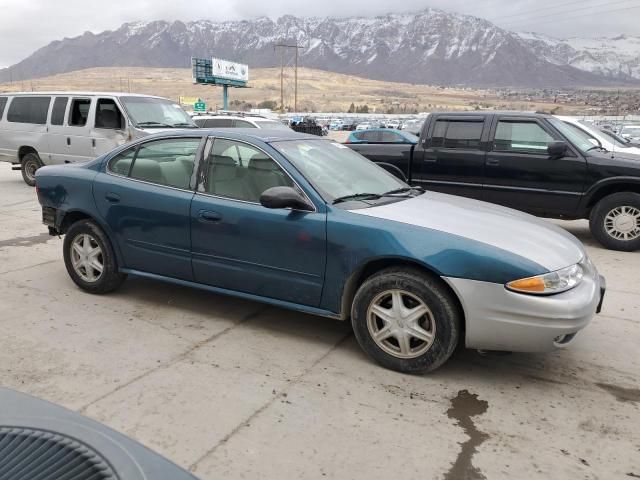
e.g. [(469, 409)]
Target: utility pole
[(297, 48)]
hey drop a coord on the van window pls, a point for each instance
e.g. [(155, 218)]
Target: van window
[(59, 107), (108, 114), (29, 110), (3, 103), (79, 112)]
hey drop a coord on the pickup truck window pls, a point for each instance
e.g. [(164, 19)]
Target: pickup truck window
[(521, 136), (580, 139), (457, 134)]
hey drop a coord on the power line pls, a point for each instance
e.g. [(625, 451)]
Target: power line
[(588, 14), (528, 12)]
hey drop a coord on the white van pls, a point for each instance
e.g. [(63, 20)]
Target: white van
[(46, 128)]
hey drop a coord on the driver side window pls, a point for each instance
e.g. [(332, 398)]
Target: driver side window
[(518, 136), (240, 171)]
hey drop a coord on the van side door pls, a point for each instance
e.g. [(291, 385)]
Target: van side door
[(77, 135), (58, 148), (109, 126)]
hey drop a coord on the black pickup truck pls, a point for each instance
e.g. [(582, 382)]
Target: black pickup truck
[(531, 162)]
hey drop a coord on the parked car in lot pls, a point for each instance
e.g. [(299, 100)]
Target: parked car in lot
[(306, 223), (619, 140), (48, 128), (364, 126), (382, 135), (631, 132), (600, 139), (237, 121), (413, 126), (532, 162)]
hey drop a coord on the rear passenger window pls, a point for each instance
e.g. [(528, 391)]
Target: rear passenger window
[(242, 172), (521, 136), (3, 103), (244, 124), (29, 110), (108, 114), (390, 137), (59, 107), (219, 123), (166, 162), (463, 135), (121, 164), (79, 112)]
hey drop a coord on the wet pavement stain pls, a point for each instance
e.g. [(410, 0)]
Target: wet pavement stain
[(25, 241), (463, 407), (622, 394)]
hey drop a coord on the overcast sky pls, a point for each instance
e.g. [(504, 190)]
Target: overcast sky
[(26, 25)]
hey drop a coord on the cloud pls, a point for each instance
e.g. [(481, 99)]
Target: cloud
[(26, 25)]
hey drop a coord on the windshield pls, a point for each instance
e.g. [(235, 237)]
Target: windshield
[(631, 131), (617, 141), (335, 170), (149, 112), (271, 125), (578, 137)]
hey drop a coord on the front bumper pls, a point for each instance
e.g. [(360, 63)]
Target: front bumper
[(498, 319)]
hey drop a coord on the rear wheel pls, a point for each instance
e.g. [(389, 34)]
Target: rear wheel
[(89, 258), (406, 321), (615, 221), (30, 164)]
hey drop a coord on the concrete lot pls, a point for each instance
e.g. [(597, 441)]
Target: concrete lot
[(233, 389)]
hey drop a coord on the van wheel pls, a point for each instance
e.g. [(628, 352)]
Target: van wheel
[(30, 164), (89, 258), (615, 221), (406, 321)]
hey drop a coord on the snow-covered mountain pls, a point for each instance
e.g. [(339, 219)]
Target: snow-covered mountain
[(617, 58), (430, 46)]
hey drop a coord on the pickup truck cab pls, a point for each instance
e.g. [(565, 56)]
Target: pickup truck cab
[(532, 162)]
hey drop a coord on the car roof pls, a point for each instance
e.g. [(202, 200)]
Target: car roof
[(265, 135), (481, 113), (74, 92)]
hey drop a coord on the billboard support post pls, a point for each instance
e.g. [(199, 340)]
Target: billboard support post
[(225, 97)]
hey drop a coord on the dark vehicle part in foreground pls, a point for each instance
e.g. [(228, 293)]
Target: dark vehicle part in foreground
[(530, 162), (40, 440)]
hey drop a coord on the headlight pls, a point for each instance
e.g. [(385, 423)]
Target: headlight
[(548, 283)]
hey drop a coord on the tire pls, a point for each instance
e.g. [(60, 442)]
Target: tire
[(30, 164), (87, 236), (441, 320), (615, 221)]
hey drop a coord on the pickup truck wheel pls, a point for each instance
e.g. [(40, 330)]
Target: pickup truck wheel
[(406, 321), (90, 260), (615, 221), (30, 164)]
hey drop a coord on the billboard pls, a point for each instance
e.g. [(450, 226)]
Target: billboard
[(229, 70)]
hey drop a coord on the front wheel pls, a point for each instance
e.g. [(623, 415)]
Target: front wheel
[(30, 165), (90, 260), (615, 221), (406, 321)]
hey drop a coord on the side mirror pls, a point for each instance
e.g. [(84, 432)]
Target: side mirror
[(557, 150), (285, 197)]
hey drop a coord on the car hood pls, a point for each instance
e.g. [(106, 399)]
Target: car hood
[(519, 233)]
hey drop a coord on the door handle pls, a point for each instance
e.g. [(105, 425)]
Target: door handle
[(93, 142), (493, 162), (209, 216), (68, 140), (112, 197)]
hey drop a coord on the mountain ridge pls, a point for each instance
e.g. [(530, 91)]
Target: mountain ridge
[(430, 46)]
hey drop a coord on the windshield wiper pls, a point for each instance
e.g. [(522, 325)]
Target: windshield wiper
[(597, 147), (357, 196), (153, 124), (404, 190)]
